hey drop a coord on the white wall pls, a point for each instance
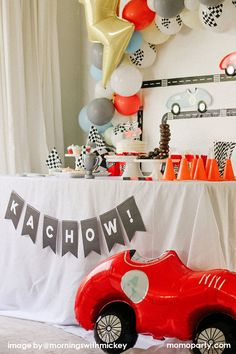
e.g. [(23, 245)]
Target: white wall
[(191, 53)]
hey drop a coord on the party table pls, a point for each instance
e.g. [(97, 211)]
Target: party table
[(197, 219)]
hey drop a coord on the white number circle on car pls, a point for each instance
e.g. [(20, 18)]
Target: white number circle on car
[(135, 285), (192, 100)]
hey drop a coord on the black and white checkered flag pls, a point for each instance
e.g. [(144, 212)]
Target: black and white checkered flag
[(222, 151), (95, 137), (79, 160), (53, 160)]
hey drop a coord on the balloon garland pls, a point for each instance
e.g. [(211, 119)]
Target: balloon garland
[(124, 46)]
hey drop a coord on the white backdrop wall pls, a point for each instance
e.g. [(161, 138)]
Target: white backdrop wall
[(191, 53)]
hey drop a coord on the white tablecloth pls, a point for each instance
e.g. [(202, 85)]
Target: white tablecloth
[(197, 219)]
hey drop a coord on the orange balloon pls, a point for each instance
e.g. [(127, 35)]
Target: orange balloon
[(138, 12), (127, 105)]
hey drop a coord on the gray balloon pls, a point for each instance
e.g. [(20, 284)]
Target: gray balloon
[(97, 55), (169, 8), (100, 111), (211, 2)]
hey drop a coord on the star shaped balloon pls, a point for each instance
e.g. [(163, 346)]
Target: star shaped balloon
[(104, 26)]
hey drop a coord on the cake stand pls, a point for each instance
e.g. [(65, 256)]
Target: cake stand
[(156, 167), (132, 165)]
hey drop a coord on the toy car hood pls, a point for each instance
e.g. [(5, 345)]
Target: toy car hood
[(190, 98)]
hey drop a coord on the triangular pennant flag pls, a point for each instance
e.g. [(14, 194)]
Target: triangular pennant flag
[(79, 160), (95, 137), (53, 160)]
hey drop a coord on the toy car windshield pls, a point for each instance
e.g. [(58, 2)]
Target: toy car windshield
[(137, 258)]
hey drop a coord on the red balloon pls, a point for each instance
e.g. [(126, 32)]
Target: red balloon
[(127, 105), (138, 12)]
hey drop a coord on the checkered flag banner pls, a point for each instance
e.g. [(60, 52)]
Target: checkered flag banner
[(101, 153), (222, 151), (79, 160), (53, 160), (95, 137), (122, 128)]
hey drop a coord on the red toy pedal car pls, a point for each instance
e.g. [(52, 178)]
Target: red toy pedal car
[(127, 294)]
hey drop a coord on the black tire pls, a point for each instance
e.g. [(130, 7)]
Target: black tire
[(216, 332), (116, 326), (175, 109), (230, 70), (202, 107)]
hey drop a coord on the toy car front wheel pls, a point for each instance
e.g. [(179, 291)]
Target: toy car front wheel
[(115, 329), (175, 109), (230, 70), (202, 107), (215, 338)]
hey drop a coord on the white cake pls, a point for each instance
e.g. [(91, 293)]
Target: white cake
[(130, 146)]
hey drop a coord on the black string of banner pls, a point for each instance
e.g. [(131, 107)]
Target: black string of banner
[(126, 214)]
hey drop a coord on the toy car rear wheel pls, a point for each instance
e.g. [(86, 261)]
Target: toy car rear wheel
[(202, 107), (215, 338), (230, 70), (115, 329), (175, 109)]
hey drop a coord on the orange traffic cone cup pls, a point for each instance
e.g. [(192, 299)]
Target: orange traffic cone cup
[(169, 174), (193, 167), (208, 164), (228, 171), (184, 173), (200, 172), (214, 174)]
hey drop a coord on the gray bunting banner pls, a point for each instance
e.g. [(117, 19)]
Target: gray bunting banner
[(127, 213), (111, 227), (14, 209), (131, 217), (31, 222), (70, 237), (50, 228), (90, 235)]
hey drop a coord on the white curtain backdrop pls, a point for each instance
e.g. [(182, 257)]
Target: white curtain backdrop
[(30, 93)]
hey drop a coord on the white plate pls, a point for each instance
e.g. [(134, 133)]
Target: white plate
[(69, 174), (30, 174)]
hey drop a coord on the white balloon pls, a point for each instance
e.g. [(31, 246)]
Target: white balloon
[(191, 19), (107, 135), (152, 34), (169, 25), (150, 4), (145, 56), (126, 80), (217, 18), (116, 137), (101, 91), (192, 5), (119, 119)]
